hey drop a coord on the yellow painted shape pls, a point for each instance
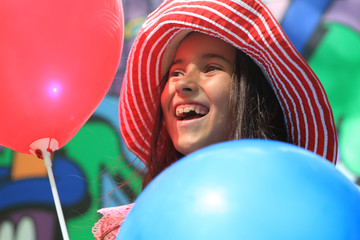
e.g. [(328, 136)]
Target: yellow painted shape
[(27, 166)]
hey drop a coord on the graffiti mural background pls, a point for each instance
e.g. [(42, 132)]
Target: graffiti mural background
[(95, 161)]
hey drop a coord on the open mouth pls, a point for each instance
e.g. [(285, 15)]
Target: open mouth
[(190, 112)]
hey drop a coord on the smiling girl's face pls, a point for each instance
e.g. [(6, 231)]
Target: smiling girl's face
[(195, 100)]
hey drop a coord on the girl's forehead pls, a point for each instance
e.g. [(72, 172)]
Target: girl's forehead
[(203, 42), (203, 47), (169, 53)]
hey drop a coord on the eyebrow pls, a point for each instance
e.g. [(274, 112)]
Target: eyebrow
[(205, 56), (214, 55)]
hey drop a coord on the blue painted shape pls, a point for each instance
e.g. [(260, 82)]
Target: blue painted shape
[(302, 19), (4, 174), (38, 191)]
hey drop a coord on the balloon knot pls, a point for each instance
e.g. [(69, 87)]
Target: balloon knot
[(39, 153)]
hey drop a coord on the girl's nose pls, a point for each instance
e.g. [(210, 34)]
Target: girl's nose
[(187, 85)]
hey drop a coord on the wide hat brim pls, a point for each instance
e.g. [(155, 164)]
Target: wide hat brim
[(247, 25)]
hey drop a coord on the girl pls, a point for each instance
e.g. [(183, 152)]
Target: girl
[(207, 71)]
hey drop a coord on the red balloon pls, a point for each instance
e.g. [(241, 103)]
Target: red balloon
[(57, 61)]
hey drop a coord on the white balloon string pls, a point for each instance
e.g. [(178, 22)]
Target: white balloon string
[(48, 165)]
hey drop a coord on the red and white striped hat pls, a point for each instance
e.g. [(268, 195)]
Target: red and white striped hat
[(247, 25)]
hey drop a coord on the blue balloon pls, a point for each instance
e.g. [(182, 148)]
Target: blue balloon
[(248, 190)]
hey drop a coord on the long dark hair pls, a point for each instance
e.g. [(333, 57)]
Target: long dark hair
[(255, 112)]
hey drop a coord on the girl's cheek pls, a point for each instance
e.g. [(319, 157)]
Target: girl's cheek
[(165, 97)]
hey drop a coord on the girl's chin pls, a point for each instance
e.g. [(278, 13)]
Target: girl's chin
[(189, 147), (184, 151)]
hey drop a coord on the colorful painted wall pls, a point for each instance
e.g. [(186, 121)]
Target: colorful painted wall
[(95, 161)]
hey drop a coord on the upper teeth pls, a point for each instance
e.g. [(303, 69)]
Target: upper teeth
[(199, 109)]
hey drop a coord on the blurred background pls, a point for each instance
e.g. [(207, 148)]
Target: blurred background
[(92, 166)]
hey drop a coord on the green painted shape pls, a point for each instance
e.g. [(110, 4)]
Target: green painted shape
[(350, 143), (336, 62), (96, 144), (6, 157)]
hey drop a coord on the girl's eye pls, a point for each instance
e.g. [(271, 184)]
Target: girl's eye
[(212, 68), (176, 73)]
